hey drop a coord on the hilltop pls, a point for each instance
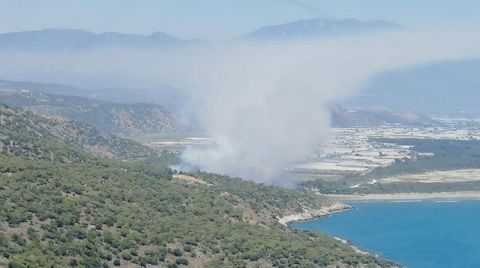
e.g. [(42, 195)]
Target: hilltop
[(319, 27)]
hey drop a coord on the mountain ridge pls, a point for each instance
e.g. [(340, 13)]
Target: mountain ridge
[(110, 117), (341, 117), (426, 89), (79, 39), (319, 27)]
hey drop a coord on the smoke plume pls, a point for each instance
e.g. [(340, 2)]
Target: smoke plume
[(264, 104)]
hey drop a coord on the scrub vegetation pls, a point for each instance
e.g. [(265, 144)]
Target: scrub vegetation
[(63, 207)]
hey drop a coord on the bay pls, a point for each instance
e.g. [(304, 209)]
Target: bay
[(415, 234)]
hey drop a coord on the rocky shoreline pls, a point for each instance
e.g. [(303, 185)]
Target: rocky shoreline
[(309, 214)]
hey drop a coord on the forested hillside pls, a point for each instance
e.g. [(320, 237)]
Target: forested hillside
[(26, 134), (120, 118), (62, 207)]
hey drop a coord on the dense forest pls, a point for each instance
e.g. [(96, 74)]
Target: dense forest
[(64, 207)]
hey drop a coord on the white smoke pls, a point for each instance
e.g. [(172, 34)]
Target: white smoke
[(264, 104)]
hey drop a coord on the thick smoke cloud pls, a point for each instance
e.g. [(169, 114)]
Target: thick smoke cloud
[(264, 104)]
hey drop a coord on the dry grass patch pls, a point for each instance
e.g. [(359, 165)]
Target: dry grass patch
[(189, 179)]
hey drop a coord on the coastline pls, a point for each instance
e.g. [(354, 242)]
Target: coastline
[(327, 211), (338, 206), (310, 214), (442, 196)]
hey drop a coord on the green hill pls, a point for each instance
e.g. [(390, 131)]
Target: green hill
[(62, 207)]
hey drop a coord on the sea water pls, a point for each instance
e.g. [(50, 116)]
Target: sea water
[(419, 234)]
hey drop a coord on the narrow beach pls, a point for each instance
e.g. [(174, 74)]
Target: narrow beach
[(409, 196)]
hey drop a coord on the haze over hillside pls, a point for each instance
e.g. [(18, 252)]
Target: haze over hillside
[(342, 117), (319, 27), (173, 99), (50, 40), (264, 90), (426, 89), (133, 118), (120, 118)]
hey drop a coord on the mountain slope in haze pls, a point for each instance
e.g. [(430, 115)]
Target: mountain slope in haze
[(320, 27), (40, 87), (51, 40), (342, 117), (169, 97), (69, 209), (147, 118), (19, 126), (439, 89), (110, 117)]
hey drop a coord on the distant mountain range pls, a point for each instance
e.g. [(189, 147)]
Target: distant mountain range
[(342, 117), (439, 89), (169, 97), (50, 40), (70, 39), (119, 118), (321, 27)]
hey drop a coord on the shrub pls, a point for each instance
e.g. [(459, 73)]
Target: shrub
[(126, 256), (181, 261), (177, 252)]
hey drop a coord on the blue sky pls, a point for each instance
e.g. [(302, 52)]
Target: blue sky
[(221, 19)]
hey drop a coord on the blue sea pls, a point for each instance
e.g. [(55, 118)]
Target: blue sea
[(415, 234)]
